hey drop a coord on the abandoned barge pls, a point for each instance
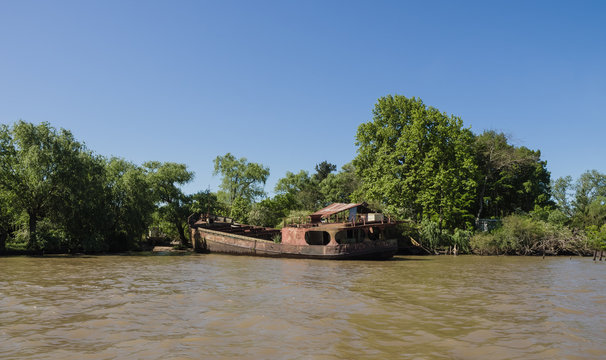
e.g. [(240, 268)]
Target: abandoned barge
[(339, 231)]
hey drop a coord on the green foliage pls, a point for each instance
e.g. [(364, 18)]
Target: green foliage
[(431, 234), (240, 179), (82, 214), (173, 206), (296, 217), (339, 188), (557, 217), (130, 203), (483, 244), (323, 169), (73, 200), (590, 192), (596, 236), (240, 208), (560, 193), (418, 161), (460, 239), (520, 235), (510, 179), (302, 188), (270, 212), (525, 235), (41, 167), (7, 218), (206, 202)]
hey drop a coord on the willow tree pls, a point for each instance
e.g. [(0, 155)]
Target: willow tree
[(173, 206), (37, 165), (240, 178), (417, 161), (7, 218), (130, 203)]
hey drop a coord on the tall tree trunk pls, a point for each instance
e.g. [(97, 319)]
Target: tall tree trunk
[(482, 192), (181, 231)]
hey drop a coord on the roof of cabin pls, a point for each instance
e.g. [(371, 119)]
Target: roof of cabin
[(335, 208)]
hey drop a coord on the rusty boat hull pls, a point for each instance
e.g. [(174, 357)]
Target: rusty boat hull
[(339, 231), (207, 240)]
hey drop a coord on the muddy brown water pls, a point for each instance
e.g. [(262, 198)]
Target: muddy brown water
[(225, 307)]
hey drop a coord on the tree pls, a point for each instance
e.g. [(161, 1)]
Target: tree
[(269, 212), (174, 206), (597, 238), (240, 179), (511, 178), (339, 188), (36, 163), (7, 218), (323, 169), (596, 212), (81, 213), (205, 202), (590, 187), (417, 161), (560, 190), (130, 204), (240, 208)]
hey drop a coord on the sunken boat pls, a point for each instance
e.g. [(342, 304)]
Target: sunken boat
[(339, 231)]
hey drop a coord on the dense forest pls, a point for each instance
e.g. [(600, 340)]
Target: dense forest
[(453, 189)]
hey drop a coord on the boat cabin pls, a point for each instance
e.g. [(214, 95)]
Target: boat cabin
[(337, 224)]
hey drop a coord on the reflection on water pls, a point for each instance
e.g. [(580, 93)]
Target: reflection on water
[(219, 307)]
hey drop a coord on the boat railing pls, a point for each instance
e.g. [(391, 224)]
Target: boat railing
[(346, 220)]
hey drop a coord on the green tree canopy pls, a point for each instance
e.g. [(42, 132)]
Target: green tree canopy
[(130, 203), (173, 205), (323, 169), (7, 218), (511, 178), (590, 186), (417, 161), (37, 166), (339, 187), (301, 188), (240, 179), (560, 193)]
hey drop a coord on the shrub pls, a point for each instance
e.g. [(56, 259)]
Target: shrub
[(483, 244), (460, 239), (525, 235), (430, 233)]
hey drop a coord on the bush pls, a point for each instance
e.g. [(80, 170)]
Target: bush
[(460, 239), (519, 235), (525, 235), (483, 244), (430, 233)]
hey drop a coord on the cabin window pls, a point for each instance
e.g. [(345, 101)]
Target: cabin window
[(374, 233), (317, 237), (351, 236)]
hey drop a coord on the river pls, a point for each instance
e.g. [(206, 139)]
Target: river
[(225, 307)]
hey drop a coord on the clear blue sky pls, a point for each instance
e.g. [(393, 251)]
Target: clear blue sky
[(286, 83)]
